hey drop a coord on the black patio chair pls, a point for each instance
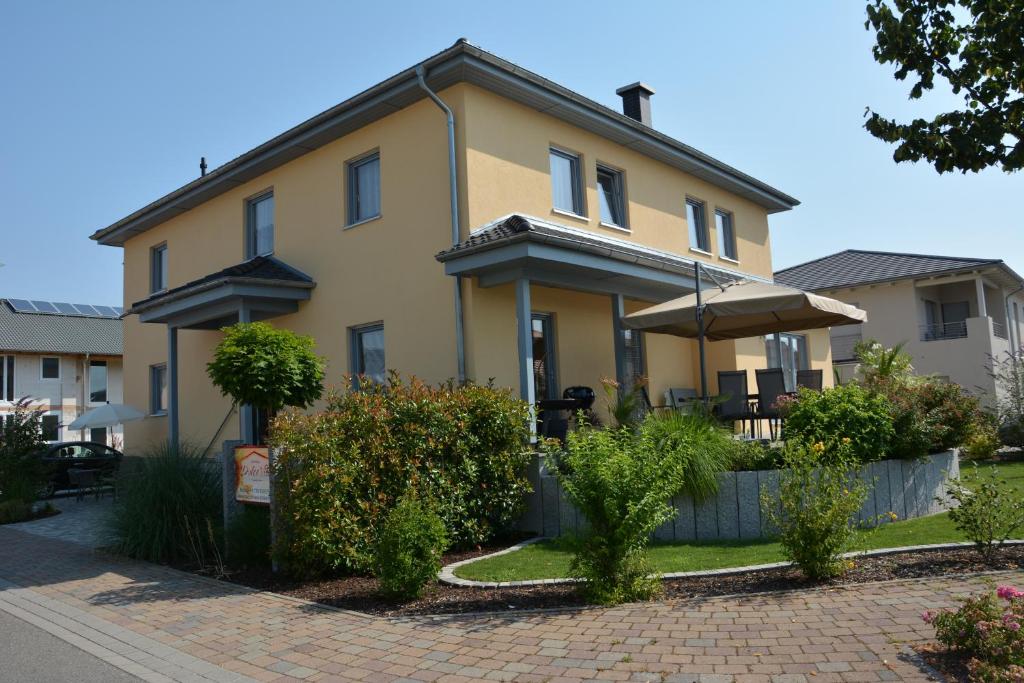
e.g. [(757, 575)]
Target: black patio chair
[(771, 386), (732, 403), (809, 379)]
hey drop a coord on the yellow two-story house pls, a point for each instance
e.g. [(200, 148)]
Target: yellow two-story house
[(462, 219)]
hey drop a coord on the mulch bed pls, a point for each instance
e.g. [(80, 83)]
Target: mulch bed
[(360, 593), (951, 664)]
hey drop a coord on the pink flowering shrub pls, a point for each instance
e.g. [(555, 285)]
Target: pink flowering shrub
[(987, 628)]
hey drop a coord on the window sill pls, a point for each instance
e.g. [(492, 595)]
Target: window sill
[(570, 214), (612, 226), (161, 413), (363, 222), (701, 251), (730, 260)]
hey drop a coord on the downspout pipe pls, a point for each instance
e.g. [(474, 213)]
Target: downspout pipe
[(453, 191)]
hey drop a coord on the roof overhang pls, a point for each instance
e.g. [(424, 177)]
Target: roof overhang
[(462, 62), (213, 305)]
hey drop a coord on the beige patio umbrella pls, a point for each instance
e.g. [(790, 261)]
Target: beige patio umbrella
[(745, 308)]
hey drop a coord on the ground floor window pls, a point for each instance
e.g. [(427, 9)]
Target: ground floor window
[(7, 378), (98, 435), (545, 378), (158, 389), (635, 366), (368, 353), (50, 423), (97, 381), (789, 352)]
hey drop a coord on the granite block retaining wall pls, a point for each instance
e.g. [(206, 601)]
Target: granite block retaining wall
[(907, 487)]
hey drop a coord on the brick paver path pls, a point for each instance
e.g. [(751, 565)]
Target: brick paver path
[(162, 624)]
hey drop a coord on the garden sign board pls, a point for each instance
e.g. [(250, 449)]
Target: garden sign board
[(252, 475)]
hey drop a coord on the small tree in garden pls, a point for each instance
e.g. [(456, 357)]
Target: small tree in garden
[(989, 511), (22, 475), (266, 367), (1008, 373), (819, 498)]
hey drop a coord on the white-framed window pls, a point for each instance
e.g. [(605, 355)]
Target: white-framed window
[(364, 188), (611, 193), (259, 225), (789, 352), (158, 268), (7, 378), (726, 235), (50, 423), (97, 381), (566, 182), (696, 220), (49, 367), (158, 389), (368, 360)]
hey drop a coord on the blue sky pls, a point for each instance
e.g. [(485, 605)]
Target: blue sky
[(109, 105)]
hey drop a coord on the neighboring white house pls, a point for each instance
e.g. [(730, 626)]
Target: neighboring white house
[(66, 358), (953, 314)]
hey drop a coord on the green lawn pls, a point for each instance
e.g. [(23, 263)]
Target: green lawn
[(550, 559)]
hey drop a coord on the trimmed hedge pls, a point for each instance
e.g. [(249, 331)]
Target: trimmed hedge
[(342, 469)]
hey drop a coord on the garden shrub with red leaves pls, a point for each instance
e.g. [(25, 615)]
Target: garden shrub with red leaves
[(986, 628), (341, 470)]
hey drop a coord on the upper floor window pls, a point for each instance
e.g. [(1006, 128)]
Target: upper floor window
[(699, 238), (368, 353), (6, 378), (726, 235), (259, 226), (97, 381), (566, 182), (611, 193), (49, 367), (364, 188), (158, 268)]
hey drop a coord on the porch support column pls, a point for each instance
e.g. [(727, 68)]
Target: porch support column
[(982, 308), (618, 311), (245, 430), (172, 386), (524, 328)]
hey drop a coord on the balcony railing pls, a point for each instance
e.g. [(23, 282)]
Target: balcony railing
[(999, 330), (957, 330)]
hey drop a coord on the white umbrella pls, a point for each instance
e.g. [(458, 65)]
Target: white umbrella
[(106, 415)]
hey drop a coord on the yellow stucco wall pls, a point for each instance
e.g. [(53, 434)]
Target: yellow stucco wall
[(384, 270)]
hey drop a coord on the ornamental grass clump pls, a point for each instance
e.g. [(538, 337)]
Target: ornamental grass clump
[(816, 510), (988, 510), (622, 480), (987, 629)]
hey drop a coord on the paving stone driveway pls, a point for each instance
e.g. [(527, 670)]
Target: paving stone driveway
[(170, 625)]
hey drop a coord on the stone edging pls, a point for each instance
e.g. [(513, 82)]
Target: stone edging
[(447, 574)]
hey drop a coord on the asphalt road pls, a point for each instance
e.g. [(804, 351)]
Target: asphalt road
[(30, 655)]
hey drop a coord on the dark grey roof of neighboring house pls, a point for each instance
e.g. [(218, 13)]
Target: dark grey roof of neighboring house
[(261, 269), (462, 62), (857, 267), (52, 333)]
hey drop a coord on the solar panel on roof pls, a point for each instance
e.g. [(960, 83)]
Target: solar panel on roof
[(22, 305), (106, 311), (65, 308), (86, 309), (44, 306), (119, 310)]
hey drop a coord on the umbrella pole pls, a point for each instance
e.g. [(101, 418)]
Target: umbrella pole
[(700, 337)]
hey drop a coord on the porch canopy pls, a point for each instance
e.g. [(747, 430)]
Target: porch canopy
[(262, 287), (744, 308)]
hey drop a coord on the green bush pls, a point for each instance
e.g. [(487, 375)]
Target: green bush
[(22, 475), (410, 543), (989, 511), (14, 510), (1008, 372), (846, 412), (168, 507), (755, 455), (983, 442), (819, 498), (248, 537), (340, 470), (621, 480)]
